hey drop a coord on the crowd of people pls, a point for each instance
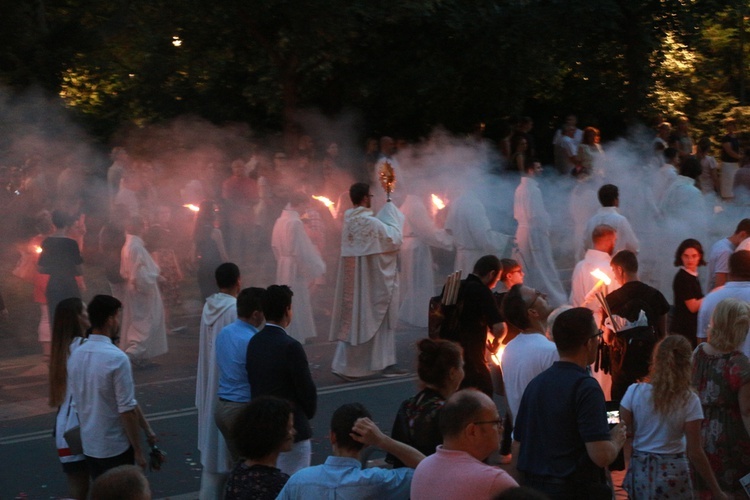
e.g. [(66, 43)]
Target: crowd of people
[(624, 331)]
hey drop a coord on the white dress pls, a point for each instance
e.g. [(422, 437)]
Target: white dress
[(219, 311), (143, 333), (417, 273), (365, 305), (532, 238), (298, 265)]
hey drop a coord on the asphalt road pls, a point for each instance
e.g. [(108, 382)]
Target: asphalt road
[(30, 468)]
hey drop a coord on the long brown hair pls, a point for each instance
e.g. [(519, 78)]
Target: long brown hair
[(670, 374), (67, 326)]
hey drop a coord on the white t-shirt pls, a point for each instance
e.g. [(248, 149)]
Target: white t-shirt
[(745, 245), (656, 433), (718, 260), (525, 357)]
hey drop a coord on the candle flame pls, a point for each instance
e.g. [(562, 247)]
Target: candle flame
[(325, 201), (601, 276), (497, 358), (194, 208), (439, 204), (37, 249)]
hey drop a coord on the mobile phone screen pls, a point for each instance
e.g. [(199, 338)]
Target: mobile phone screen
[(613, 417)]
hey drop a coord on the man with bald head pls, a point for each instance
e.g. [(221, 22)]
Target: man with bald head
[(471, 429), (737, 287), (125, 482)]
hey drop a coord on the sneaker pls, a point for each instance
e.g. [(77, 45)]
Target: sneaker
[(392, 371)]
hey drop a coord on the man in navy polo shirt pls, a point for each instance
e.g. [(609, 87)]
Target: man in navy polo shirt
[(561, 440)]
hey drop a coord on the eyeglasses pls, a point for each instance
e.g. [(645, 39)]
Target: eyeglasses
[(536, 296), (497, 423), (598, 333)]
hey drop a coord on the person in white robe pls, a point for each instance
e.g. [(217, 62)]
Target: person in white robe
[(298, 265), (365, 310), (583, 205), (665, 176), (684, 215), (417, 270), (219, 311), (583, 283), (144, 332), (609, 215), (532, 237), (472, 233)]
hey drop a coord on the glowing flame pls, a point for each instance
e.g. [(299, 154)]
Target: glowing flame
[(37, 249), (497, 358), (325, 201), (176, 41), (439, 204), (599, 274), (194, 208)]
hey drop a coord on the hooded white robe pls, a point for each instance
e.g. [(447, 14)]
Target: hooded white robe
[(298, 265), (417, 273), (219, 311), (366, 301), (532, 238), (144, 332)]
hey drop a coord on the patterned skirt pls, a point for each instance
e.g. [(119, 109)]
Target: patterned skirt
[(653, 476)]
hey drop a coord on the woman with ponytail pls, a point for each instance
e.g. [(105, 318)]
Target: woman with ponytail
[(440, 367), (663, 417)]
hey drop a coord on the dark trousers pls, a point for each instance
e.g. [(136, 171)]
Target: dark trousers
[(98, 466)]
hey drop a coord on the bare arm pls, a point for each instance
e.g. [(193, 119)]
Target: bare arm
[(693, 305), (365, 431), (603, 453), (626, 417), (515, 449), (129, 421), (661, 326), (498, 332), (698, 457), (143, 424)]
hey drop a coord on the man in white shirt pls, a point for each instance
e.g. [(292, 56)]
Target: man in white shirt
[(609, 214), (718, 257), (530, 353), (101, 384), (737, 287), (604, 238)]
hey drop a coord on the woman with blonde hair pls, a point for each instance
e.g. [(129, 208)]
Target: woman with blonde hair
[(71, 321), (663, 417), (721, 375)]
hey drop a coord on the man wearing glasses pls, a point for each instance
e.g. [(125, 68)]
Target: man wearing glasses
[(561, 442), (471, 429)]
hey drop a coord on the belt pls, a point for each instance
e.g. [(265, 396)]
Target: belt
[(223, 400)]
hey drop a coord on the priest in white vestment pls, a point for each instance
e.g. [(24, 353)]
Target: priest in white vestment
[(609, 215), (298, 265), (417, 270), (365, 309), (473, 236), (583, 205), (532, 237), (219, 311), (143, 334)]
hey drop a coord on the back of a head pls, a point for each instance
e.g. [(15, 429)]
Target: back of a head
[(227, 275), (358, 191), (572, 329), (486, 264), (343, 420), (275, 302), (60, 219), (514, 308), (608, 195), (260, 428), (691, 167), (436, 358), (743, 225), (125, 482), (249, 300), (627, 260), (460, 410), (670, 373), (739, 265), (730, 322), (101, 308), (670, 154), (602, 232)]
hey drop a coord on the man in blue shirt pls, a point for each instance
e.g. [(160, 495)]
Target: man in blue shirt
[(230, 348), (342, 476), (561, 440)]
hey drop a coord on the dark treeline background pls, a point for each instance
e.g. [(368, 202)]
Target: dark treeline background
[(402, 67)]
